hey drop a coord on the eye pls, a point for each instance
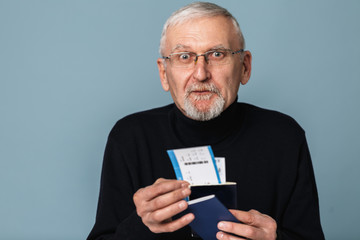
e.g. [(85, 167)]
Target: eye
[(217, 54), (184, 56)]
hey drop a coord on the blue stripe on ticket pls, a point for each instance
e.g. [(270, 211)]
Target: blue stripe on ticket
[(175, 164), (214, 162)]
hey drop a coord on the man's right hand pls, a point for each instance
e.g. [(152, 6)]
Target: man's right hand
[(158, 203)]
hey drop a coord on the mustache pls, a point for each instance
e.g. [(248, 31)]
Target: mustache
[(202, 87)]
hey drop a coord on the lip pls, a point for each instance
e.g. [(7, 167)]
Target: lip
[(202, 92)]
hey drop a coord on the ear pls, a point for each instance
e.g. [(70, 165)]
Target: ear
[(246, 67), (162, 73)]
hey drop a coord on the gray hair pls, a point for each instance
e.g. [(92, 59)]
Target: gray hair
[(197, 10)]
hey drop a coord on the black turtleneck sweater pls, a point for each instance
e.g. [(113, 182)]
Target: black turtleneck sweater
[(265, 152)]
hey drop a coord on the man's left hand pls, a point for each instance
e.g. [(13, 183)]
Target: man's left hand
[(255, 226)]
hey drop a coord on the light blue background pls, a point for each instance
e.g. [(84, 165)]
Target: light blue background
[(70, 69)]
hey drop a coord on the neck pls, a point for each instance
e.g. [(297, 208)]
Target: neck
[(192, 132)]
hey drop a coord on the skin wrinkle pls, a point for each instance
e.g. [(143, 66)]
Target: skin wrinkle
[(191, 15), (183, 47), (215, 109), (200, 36)]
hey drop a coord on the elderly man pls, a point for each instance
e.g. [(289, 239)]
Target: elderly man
[(266, 154)]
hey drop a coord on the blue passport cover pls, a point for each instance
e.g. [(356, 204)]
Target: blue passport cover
[(208, 211), (225, 192)]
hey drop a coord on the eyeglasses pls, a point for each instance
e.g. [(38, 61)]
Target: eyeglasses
[(213, 57)]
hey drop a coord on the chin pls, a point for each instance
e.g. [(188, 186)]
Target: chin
[(203, 105), (204, 110)]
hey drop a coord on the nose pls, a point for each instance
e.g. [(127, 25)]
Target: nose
[(201, 72)]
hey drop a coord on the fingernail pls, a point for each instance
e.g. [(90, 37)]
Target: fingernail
[(220, 235), (182, 204), (185, 185), (190, 217), (186, 191), (222, 225)]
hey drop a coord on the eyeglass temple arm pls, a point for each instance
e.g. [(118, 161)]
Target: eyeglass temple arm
[(238, 51)]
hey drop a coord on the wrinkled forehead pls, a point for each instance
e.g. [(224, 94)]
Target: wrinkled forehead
[(203, 34)]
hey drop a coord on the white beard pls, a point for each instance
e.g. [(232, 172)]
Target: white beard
[(214, 110)]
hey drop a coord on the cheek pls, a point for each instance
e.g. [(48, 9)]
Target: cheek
[(177, 83), (223, 80), (227, 80), (230, 90), (179, 79)]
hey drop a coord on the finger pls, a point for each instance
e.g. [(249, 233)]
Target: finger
[(163, 186), (144, 207), (160, 180), (160, 187), (225, 236), (247, 217), (172, 225), (239, 229), (255, 225), (255, 218), (167, 199), (168, 212)]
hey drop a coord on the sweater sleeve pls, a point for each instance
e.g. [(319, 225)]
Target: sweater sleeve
[(301, 219), (116, 218)]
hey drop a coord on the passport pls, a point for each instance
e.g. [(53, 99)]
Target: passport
[(208, 211), (225, 192)]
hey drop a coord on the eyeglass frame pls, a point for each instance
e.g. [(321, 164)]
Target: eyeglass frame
[(204, 54)]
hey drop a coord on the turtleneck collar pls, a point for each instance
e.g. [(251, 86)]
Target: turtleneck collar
[(215, 131)]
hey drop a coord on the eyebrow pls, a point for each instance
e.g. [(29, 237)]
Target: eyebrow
[(184, 47), (218, 47), (180, 46)]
